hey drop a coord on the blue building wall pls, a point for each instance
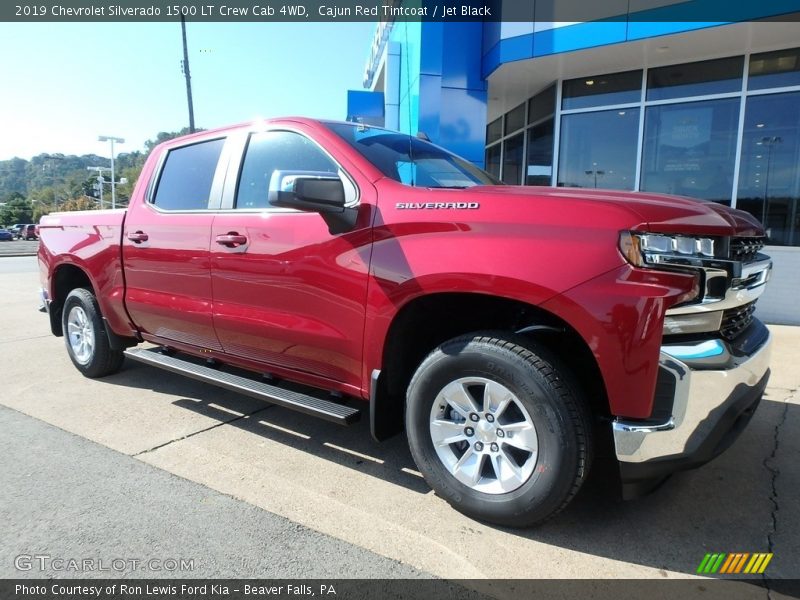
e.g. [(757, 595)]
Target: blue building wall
[(453, 94), (408, 37), (441, 88), (507, 42)]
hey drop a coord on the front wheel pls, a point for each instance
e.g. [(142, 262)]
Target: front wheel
[(85, 336), (496, 429)]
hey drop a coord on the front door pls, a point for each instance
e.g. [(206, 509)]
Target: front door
[(287, 292)]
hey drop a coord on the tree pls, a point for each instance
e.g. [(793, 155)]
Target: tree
[(13, 176), (82, 203), (18, 210), (164, 136), (10, 197), (50, 180)]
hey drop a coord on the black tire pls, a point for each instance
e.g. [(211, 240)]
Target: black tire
[(102, 360), (559, 414)]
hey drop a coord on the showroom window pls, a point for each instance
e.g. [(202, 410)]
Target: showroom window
[(512, 159), (539, 169), (598, 149), (542, 105), (774, 69), (695, 79), (524, 153), (515, 119), (494, 130), (602, 90), (493, 160), (726, 130), (769, 177), (690, 149)]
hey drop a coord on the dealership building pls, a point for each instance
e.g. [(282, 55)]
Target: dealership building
[(654, 101)]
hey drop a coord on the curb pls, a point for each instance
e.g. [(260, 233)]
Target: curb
[(17, 255)]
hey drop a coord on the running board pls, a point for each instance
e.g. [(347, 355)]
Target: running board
[(316, 407)]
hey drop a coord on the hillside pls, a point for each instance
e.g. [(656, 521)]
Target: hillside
[(49, 182)]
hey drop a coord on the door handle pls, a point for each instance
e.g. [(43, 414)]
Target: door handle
[(137, 237), (231, 240)]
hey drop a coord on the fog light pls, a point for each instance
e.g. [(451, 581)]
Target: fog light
[(692, 323)]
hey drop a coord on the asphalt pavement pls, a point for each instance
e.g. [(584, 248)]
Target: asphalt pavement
[(280, 472), (64, 498)]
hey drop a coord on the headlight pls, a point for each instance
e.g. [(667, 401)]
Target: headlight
[(647, 249)]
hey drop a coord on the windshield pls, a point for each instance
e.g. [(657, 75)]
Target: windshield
[(410, 160)]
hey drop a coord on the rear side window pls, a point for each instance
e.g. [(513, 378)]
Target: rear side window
[(272, 151), (185, 182)]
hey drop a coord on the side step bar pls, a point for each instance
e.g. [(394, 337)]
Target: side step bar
[(316, 407)]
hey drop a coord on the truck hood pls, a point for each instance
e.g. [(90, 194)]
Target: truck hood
[(658, 213)]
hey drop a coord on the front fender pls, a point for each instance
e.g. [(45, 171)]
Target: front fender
[(620, 315)]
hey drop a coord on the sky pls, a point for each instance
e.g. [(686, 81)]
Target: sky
[(64, 84)]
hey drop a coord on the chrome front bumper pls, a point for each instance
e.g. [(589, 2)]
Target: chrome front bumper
[(714, 390)]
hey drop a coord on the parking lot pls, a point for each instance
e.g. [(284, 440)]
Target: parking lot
[(338, 482)]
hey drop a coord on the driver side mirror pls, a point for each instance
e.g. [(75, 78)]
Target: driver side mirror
[(312, 191)]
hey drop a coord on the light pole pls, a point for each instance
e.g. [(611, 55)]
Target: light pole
[(595, 171), (112, 139), (187, 74), (769, 142), (100, 180)]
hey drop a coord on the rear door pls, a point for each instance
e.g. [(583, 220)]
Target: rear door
[(290, 294), (166, 246)]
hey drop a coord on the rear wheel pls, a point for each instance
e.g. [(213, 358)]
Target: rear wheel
[(497, 430), (85, 336)]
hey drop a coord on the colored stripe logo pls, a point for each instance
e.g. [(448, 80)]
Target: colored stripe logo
[(734, 563)]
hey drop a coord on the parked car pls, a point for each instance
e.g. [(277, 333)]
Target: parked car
[(29, 232), (16, 228), (513, 331), (6, 235)]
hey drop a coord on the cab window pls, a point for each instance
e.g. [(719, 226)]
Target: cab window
[(271, 151), (187, 175)]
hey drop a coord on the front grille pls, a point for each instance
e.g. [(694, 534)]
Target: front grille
[(736, 320), (745, 249)]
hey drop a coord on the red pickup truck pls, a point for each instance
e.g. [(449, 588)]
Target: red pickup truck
[(514, 332)]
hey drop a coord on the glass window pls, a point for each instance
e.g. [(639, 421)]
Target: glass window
[(774, 69), (494, 130), (512, 159), (598, 149), (540, 154), (515, 119), (493, 160), (689, 149), (272, 151), (769, 180), (695, 79), (602, 90), (185, 181), (542, 105), (410, 160)]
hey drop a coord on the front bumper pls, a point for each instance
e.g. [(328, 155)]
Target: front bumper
[(715, 389)]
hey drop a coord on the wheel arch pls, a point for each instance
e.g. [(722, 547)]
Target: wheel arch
[(427, 321), (65, 278)]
